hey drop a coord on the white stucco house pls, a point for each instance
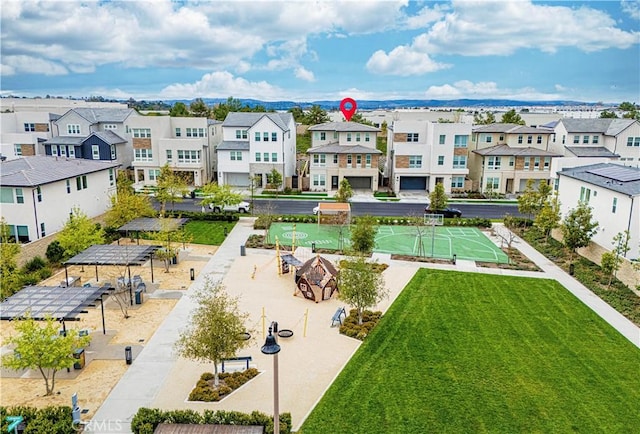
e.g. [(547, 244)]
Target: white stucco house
[(37, 193), (253, 144), (421, 154), (613, 192), (22, 133)]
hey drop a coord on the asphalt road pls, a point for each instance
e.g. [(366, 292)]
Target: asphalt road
[(284, 206)]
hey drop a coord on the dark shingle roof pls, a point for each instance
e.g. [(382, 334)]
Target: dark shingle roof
[(506, 150), (510, 129), (608, 127), (247, 120), (65, 140), (591, 151), (232, 146), (96, 115), (607, 176), (342, 149), (344, 127), (40, 170), (109, 137)]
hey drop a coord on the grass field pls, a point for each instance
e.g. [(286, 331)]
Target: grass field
[(473, 353), (208, 232), (464, 242)]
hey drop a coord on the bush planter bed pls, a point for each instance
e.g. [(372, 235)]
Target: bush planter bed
[(206, 391)]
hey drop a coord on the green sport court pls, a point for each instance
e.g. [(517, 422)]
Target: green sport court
[(464, 242)]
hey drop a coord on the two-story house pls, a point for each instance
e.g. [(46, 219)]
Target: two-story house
[(253, 144), (344, 150), (617, 140), (92, 134), (505, 156), (186, 144), (21, 133), (421, 154), (38, 192), (613, 193)]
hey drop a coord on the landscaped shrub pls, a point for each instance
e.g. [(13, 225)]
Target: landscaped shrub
[(206, 390), (35, 264), (198, 215), (40, 420), (351, 328), (55, 252)]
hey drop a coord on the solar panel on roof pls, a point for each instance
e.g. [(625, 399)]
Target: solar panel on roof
[(617, 173)]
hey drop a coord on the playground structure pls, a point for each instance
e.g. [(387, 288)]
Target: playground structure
[(317, 279), (334, 213)]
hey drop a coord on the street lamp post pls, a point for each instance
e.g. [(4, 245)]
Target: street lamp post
[(271, 347)]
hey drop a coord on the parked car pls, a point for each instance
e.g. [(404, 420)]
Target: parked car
[(242, 207), (446, 212), (316, 209)]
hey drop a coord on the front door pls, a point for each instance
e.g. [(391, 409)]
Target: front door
[(334, 183)]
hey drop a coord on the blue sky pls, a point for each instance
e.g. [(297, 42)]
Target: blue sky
[(312, 50)]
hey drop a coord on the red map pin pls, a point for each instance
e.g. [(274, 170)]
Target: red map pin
[(348, 108)]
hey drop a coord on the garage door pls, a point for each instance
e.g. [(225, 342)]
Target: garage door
[(413, 183), (237, 179), (359, 182)]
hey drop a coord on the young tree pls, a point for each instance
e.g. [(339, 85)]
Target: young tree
[(511, 117), (316, 115), (79, 233), (484, 118), (549, 216), (578, 227), (43, 348), (274, 178), (124, 184), (167, 236), (345, 192), (10, 275), (417, 221), (363, 235), (609, 265), (528, 199), (126, 207), (179, 110), (438, 198), (620, 248), (171, 188), (219, 196), (215, 330), (360, 285)]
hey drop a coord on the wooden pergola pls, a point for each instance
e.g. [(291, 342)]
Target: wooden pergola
[(334, 208)]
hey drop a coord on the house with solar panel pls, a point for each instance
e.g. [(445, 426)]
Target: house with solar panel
[(39, 192), (613, 193)]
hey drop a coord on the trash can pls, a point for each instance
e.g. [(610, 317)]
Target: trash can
[(192, 274), (571, 269), (139, 296), (313, 247), (243, 250), (78, 355), (127, 355)]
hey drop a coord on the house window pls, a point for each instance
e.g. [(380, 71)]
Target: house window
[(154, 174), (323, 136), (274, 137), (72, 151), (529, 139), (188, 156), (357, 137), (564, 138), (595, 140), (487, 138), (415, 161), (19, 195), (536, 163), (68, 186), (265, 157), (576, 140), (112, 177), (348, 137), (274, 157), (144, 133), (39, 193), (143, 155), (54, 150), (440, 160), (110, 127), (614, 205), (335, 158), (367, 138), (412, 137), (520, 138), (335, 134), (633, 141), (526, 163), (493, 183), (265, 137), (319, 180), (494, 163), (442, 139), (238, 134), (585, 140), (368, 160), (358, 160), (512, 161), (349, 160), (501, 139), (316, 135), (258, 155), (81, 182), (17, 149), (29, 127), (457, 181), (178, 132), (43, 232), (539, 140), (73, 129), (95, 152), (257, 136), (235, 155), (459, 161), (460, 141), (169, 155), (585, 194), (547, 163), (319, 159)]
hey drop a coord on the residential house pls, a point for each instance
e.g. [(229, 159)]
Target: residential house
[(505, 156), (21, 133), (613, 192), (344, 150), (421, 154), (617, 140), (186, 144), (253, 144), (38, 192), (92, 134)]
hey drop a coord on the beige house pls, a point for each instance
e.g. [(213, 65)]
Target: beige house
[(342, 150)]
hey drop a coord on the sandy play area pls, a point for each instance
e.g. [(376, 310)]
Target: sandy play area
[(105, 356)]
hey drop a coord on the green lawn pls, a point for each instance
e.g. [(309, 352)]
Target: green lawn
[(208, 232), (468, 352)]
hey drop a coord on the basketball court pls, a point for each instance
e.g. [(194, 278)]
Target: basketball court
[(431, 240)]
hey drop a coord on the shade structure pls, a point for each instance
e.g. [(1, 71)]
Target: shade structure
[(110, 254)]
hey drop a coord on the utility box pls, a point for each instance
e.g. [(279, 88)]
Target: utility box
[(128, 356), (139, 296), (78, 355), (243, 250)]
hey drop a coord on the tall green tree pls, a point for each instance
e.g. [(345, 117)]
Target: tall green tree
[(358, 118), (79, 233), (126, 207), (221, 110), (43, 348), (608, 114), (631, 110), (486, 118), (345, 192), (549, 216), (199, 109), (219, 195), (360, 285), (528, 199), (215, 328), (298, 114), (171, 186), (316, 115), (363, 235), (511, 117), (179, 110), (438, 198), (578, 227), (10, 275), (124, 184)]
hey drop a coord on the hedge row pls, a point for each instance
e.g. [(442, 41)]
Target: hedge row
[(46, 420), (208, 216), (261, 222), (146, 420)]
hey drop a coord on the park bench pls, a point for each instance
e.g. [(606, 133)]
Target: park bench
[(245, 359), (338, 316)]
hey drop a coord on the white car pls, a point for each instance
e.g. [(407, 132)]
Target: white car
[(242, 207), (316, 209)]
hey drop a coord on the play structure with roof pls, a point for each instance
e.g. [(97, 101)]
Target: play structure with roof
[(316, 279)]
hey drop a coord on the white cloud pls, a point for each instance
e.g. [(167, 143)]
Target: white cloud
[(560, 88), (403, 61), (426, 16), (304, 74), (14, 64), (220, 85), (632, 8), (482, 90)]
